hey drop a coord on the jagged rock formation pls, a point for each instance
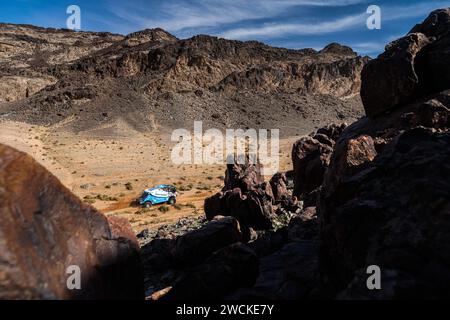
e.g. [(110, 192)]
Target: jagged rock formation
[(245, 197), (386, 196), (197, 245), (311, 157), (152, 73), (410, 68), (44, 230)]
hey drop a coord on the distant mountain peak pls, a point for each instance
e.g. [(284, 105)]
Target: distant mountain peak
[(337, 48), (156, 34)]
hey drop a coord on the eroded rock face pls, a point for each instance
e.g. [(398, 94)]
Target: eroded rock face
[(44, 229), (391, 79), (290, 273), (385, 200), (245, 197), (232, 267), (386, 197), (195, 246), (246, 176), (252, 209), (278, 184), (410, 68), (311, 156)]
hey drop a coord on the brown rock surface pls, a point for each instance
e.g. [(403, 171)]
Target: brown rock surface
[(226, 270), (410, 68), (278, 183), (224, 83), (44, 229), (193, 247), (386, 196)]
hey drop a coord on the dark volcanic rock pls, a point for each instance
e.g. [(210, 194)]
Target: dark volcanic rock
[(391, 79), (288, 274), (304, 226), (386, 196), (194, 246), (410, 68), (245, 196), (393, 214), (279, 188), (226, 270), (246, 176), (44, 229), (310, 159)]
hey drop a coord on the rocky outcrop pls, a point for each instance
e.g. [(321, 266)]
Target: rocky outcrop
[(246, 176), (409, 68), (278, 183), (311, 157), (385, 200), (245, 197), (44, 230), (290, 273), (222, 82), (226, 270), (197, 245), (375, 193)]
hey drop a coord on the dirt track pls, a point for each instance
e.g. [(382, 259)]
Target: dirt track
[(99, 165)]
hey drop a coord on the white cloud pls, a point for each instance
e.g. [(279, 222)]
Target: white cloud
[(179, 15), (389, 13), (276, 30), (368, 47)]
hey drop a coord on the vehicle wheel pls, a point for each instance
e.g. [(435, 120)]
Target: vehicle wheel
[(147, 205), (172, 200)]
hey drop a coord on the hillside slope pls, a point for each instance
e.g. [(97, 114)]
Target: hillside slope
[(152, 80)]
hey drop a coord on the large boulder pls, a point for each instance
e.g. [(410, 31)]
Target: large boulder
[(45, 229), (245, 196), (310, 158), (226, 270), (195, 246), (391, 79), (278, 183), (245, 176), (252, 209), (410, 68), (290, 273), (386, 202)]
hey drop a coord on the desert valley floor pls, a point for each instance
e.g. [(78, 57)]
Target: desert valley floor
[(98, 169)]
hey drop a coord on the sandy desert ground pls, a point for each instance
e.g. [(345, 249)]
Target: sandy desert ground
[(110, 167)]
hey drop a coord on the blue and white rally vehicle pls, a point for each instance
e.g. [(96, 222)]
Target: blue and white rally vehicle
[(160, 194)]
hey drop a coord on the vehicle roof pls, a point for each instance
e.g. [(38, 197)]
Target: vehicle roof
[(160, 187)]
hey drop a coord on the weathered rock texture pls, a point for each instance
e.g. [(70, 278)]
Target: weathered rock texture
[(410, 67), (224, 83), (197, 245), (311, 158), (44, 229), (386, 196), (245, 196)]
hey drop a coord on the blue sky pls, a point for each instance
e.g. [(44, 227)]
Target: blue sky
[(285, 23)]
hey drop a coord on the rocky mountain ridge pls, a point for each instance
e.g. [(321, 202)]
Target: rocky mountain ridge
[(148, 77)]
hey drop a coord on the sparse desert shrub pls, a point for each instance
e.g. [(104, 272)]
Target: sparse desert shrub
[(185, 188), (163, 208), (129, 186)]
